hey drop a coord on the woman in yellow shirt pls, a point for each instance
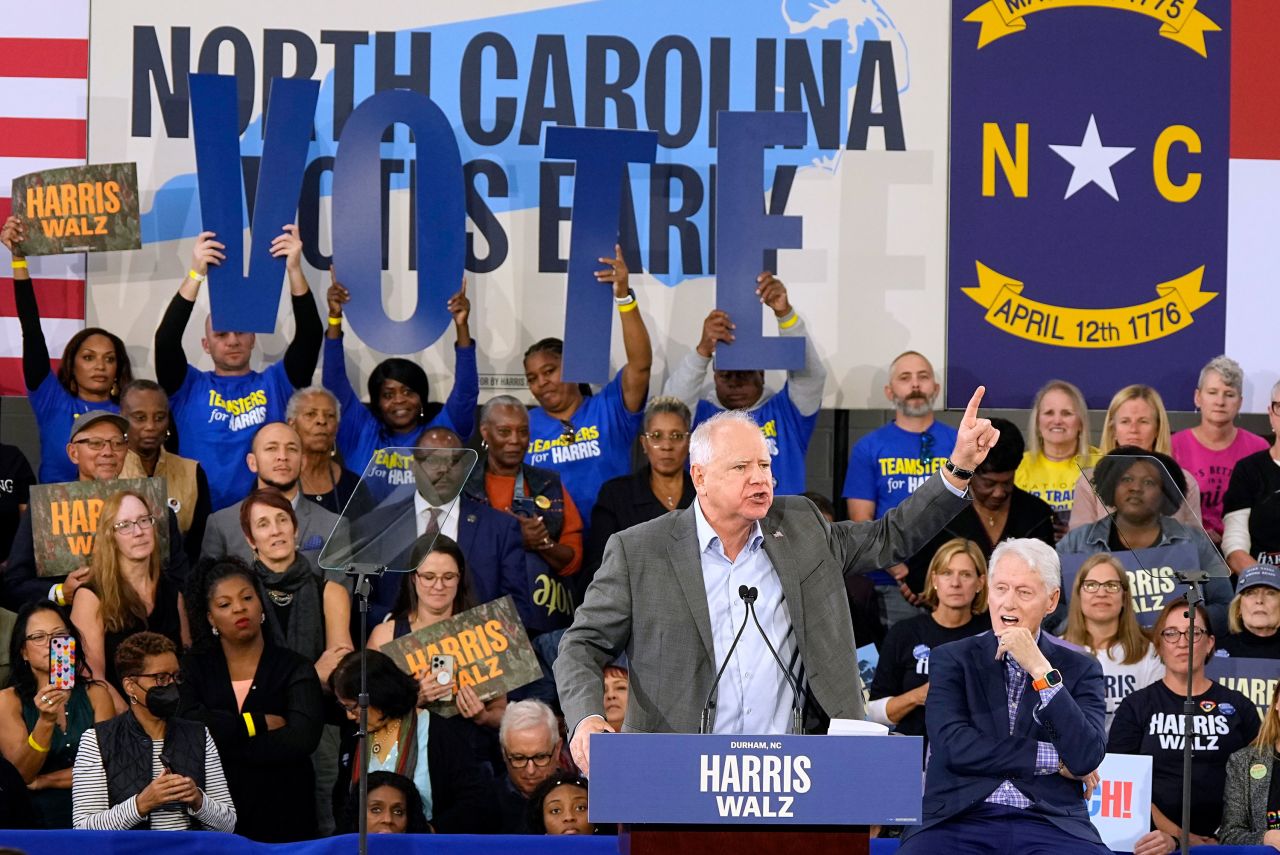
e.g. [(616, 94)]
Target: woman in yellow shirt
[(1057, 448)]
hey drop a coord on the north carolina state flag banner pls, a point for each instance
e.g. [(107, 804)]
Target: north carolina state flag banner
[(1089, 190)]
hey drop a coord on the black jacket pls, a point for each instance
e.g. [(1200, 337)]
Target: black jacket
[(461, 791), (623, 502), (269, 774)]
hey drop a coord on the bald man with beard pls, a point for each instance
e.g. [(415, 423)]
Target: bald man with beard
[(275, 457)]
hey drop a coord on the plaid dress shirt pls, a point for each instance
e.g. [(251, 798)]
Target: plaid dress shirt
[(1015, 682)]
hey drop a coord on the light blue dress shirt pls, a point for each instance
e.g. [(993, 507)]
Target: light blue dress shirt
[(754, 696)]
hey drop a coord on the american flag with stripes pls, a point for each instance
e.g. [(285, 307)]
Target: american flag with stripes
[(44, 92)]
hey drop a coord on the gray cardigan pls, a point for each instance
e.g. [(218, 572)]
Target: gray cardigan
[(1244, 802)]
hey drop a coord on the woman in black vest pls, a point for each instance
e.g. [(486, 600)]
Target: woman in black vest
[(261, 702), (145, 769)]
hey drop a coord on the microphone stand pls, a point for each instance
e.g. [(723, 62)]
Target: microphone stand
[(797, 714), (362, 574), (1193, 579), (704, 724)]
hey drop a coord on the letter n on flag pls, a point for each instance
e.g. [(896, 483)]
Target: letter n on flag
[(1088, 196)]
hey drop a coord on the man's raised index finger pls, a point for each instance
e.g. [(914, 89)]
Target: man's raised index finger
[(971, 411)]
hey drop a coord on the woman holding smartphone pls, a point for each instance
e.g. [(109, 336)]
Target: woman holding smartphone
[(40, 725), (436, 591)]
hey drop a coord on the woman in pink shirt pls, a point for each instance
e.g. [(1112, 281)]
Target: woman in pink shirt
[(1211, 449)]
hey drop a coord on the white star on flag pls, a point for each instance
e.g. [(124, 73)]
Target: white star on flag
[(1091, 161)]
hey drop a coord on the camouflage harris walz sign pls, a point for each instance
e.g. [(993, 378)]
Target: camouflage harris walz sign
[(489, 643), (64, 519), (90, 208)]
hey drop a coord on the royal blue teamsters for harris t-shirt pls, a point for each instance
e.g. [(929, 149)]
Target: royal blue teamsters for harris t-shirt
[(56, 411), (604, 430), (217, 416), (363, 438), (787, 433), (888, 464)]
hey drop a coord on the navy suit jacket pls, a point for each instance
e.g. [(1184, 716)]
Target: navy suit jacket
[(967, 717), (490, 540)]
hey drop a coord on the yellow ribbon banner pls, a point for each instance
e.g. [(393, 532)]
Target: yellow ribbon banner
[(1180, 21), (1064, 326)]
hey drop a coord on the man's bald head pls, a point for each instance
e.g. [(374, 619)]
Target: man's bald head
[(439, 465), (276, 457), (273, 432), (438, 437)]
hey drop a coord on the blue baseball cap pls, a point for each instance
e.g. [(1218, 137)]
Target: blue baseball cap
[(1259, 574)]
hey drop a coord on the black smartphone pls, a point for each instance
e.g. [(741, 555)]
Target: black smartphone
[(523, 506)]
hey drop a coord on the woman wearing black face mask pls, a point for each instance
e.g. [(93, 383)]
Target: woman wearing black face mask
[(182, 787)]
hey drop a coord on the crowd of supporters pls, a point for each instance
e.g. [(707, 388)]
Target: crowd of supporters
[(217, 665)]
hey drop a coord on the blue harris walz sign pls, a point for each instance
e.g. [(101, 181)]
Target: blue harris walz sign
[(1088, 230), (756, 780)]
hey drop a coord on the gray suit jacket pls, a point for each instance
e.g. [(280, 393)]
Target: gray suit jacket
[(223, 535), (648, 599), (1244, 801)]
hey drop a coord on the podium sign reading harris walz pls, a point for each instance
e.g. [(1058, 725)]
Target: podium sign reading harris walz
[(756, 780)]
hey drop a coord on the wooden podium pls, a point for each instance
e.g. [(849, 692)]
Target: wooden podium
[(753, 795)]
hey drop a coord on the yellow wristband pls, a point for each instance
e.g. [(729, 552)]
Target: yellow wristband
[(31, 740), (335, 322), (248, 725), (789, 321), (196, 277), (629, 307), (19, 264), (59, 595)]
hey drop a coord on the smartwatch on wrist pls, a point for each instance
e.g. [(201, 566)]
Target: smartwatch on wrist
[(1048, 681)]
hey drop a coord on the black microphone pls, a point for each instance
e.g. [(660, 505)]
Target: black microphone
[(704, 726), (797, 712)]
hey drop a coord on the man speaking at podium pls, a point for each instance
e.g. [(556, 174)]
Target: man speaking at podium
[(669, 593)]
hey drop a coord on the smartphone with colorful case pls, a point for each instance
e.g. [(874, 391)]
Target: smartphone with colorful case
[(62, 662)]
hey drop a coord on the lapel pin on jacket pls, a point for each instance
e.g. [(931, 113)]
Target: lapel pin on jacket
[(778, 534)]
